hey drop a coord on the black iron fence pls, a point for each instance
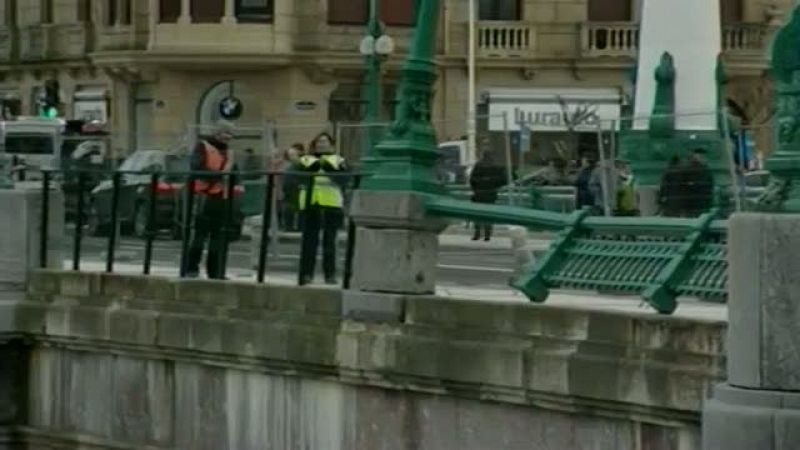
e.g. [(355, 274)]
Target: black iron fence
[(180, 187)]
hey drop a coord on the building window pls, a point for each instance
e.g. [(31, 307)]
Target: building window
[(610, 11), (731, 11), (254, 11), (84, 11), (398, 13), (506, 10), (111, 12), (356, 12), (170, 11), (125, 12), (47, 11), (11, 13), (207, 11)]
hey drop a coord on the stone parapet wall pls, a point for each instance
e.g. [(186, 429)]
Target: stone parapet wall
[(150, 361)]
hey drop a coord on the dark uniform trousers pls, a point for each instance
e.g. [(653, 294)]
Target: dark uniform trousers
[(208, 227), (316, 218)]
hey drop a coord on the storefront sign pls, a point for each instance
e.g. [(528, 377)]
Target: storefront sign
[(554, 110), (230, 108)]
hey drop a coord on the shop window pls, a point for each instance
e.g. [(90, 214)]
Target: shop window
[(731, 11), (207, 11), (169, 11), (254, 11), (610, 11), (46, 11), (505, 10), (356, 12)]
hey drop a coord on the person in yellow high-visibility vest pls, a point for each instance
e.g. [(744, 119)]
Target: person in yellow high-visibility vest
[(322, 209)]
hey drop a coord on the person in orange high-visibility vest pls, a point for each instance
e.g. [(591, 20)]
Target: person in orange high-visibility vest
[(210, 155)]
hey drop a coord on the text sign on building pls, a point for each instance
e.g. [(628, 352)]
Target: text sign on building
[(545, 110)]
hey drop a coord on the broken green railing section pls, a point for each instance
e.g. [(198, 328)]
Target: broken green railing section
[(658, 258)]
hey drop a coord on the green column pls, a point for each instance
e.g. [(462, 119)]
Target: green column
[(372, 90), (405, 159), (783, 192)]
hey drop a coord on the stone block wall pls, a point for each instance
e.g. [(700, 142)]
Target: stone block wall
[(109, 361)]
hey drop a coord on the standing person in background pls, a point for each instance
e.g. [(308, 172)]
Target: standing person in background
[(251, 165), (699, 185), (584, 197), (671, 192), (626, 191), (290, 187), (603, 185), (486, 179), (322, 208), (213, 156)]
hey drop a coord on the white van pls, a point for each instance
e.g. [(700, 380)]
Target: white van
[(33, 143)]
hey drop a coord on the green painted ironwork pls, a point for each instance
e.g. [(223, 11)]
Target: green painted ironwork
[(783, 192), (662, 122), (405, 159), (658, 258)]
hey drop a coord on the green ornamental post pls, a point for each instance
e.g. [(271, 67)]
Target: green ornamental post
[(405, 160), (783, 192), (372, 86)]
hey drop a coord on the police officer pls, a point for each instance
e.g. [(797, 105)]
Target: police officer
[(210, 155), (322, 209)]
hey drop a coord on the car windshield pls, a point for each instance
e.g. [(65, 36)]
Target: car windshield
[(449, 154), (29, 145)]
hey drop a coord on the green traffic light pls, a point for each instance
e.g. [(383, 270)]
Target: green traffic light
[(49, 112)]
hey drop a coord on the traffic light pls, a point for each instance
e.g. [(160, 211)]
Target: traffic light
[(50, 100)]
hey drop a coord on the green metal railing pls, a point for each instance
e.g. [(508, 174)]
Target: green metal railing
[(658, 258)]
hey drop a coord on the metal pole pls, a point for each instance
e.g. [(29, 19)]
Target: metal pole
[(151, 224), (372, 80), (266, 224), (509, 160), (76, 245), (45, 219), (603, 172), (726, 132), (114, 230), (472, 149)]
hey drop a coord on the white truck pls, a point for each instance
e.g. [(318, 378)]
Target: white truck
[(30, 144)]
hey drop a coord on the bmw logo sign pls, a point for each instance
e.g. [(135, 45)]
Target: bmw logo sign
[(230, 108)]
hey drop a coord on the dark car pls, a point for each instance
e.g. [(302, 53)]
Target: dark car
[(135, 193)]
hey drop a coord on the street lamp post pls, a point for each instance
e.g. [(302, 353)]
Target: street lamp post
[(375, 47)]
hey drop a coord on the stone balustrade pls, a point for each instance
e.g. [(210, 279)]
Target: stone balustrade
[(498, 39), (610, 39), (745, 38)]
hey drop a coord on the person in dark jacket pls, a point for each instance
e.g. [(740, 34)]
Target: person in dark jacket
[(672, 192), (583, 191), (486, 179), (699, 185)]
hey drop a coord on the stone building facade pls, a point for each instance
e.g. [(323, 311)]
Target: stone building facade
[(153, 69)]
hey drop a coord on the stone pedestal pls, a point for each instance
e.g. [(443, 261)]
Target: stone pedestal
[(20, 222), (759, 407), (396, 251)]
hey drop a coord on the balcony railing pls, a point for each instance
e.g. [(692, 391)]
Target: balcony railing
[(121, 37), (55, 42), (505, 39), (610, 39), (745, 38)]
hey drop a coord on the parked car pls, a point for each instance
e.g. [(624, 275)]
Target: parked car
[(134, 197)]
